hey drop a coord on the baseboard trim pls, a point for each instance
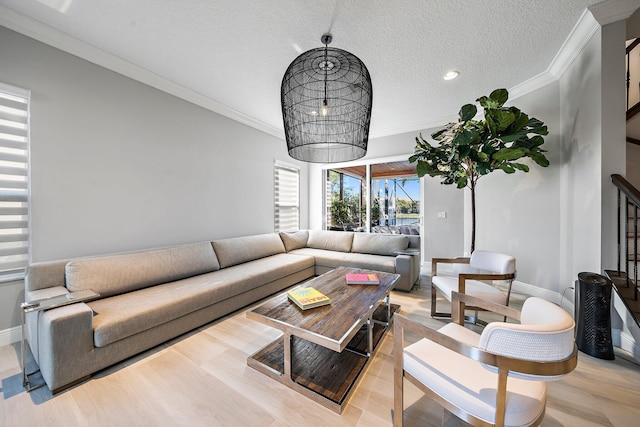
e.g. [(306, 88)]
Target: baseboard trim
[(630, 345), (10, 336)]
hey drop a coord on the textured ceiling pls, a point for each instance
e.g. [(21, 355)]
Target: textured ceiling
[(234, 52)]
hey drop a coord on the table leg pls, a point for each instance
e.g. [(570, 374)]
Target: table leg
[(25, 379), (369, 337), (386, 300), (287, 355)]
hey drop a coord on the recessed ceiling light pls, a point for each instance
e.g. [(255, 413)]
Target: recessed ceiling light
[(451, 75)]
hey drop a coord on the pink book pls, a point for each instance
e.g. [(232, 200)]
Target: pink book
[(362, 279)]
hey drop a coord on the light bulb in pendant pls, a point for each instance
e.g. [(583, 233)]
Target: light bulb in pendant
[(325, 108)]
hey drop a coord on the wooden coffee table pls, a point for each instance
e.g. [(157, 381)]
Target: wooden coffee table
[(323, 351)]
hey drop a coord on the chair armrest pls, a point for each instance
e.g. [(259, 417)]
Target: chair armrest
[(436, 261), (463, 277), (459, 301), (504, 364)]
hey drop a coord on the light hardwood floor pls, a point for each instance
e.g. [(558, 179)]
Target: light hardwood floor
[(202, 378)]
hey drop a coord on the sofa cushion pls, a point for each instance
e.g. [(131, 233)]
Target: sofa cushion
[(331, 259), (379, 244), (122, 316), (294, 239), (238, 250), (330, 240), (116, 274)]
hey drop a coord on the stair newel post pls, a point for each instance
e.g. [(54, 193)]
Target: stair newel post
[(619, 231)]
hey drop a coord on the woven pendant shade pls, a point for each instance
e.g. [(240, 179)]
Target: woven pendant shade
[(326, 106)]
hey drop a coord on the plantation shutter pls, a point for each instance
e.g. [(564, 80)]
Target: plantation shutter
[(287, 199), (14, 182)]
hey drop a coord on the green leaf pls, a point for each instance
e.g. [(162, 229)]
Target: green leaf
[(461, 182), (514, 136), (464, 151), (483, 157), (507, 154), (491, 124), (540, 159), (507, 168), (521, 119), (503, 118), (520, 166), (437, 134), (422, 168), (536, 126), (467, 112), (499, 96)]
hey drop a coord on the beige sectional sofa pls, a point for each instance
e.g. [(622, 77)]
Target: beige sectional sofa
[(151, 296)]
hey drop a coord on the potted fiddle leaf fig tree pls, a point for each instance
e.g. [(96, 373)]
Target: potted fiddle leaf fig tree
[(471, 148)]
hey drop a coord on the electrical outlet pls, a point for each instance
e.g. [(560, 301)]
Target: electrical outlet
[(442, 215)]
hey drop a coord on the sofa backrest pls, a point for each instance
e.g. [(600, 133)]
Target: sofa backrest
[(330, 240), (116, 274), (238, 250), (379, 244)]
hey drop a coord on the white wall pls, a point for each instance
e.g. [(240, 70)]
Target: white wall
[(519, 213), (117, 165), (614, 144), (593, 138), (580, 105)]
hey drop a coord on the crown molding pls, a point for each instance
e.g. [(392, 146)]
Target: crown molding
[(41, 32), (611, 11), (590, 21), (580, 35)]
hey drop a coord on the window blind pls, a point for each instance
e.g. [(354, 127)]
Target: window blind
[(287, 198), (14, 182)]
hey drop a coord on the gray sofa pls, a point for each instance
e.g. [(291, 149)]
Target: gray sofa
[(151, 296)]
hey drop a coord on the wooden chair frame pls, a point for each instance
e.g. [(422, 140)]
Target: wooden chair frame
[(462, 278), (504, 364)]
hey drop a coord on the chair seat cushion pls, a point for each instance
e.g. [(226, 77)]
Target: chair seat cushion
[(466, 384), (447, 284)]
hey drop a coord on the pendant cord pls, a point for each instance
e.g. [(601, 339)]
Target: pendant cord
[(326, 67)]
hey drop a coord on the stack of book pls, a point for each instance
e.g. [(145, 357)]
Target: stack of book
[(362, 279), (308, 298)]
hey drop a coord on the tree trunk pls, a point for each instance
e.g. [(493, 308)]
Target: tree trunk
[(473, 216)]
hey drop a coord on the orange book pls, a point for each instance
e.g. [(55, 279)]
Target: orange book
[(308, 298), (362, 279)]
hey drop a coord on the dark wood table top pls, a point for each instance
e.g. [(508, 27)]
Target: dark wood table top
[(333, 325)]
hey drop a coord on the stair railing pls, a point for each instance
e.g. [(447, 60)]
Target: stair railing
[(632, 202)]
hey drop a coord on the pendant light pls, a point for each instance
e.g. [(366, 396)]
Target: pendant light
[(326, 99)]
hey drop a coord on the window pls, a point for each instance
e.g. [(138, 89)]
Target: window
[(14, 183), (287, 197), (343, 200)]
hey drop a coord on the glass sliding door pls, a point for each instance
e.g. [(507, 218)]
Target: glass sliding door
[(395, 205), (376, 197)]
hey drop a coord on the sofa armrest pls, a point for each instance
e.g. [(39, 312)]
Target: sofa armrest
[(63, 334), (408, 267)]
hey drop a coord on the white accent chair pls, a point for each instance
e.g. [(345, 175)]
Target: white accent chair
[(497, 378), (486, 266)]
